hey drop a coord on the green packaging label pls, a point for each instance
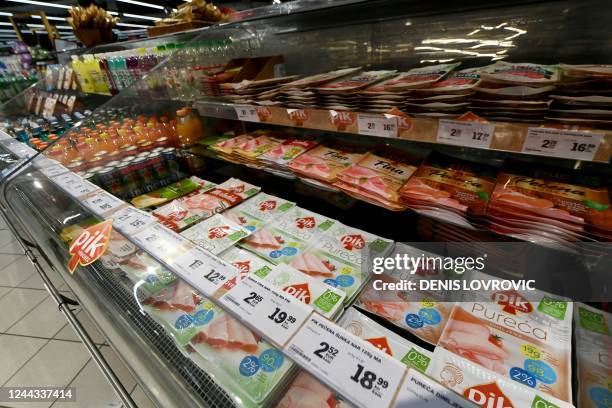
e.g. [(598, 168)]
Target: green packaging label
[(592, 321), (327, 301), (263, 271), (552, 307), (416, 360), (539, 402)]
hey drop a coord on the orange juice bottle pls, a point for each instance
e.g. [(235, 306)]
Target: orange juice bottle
[(188, 127)]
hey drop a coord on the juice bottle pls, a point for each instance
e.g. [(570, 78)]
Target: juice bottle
[(108, 76), (97, 77), (188, 127)]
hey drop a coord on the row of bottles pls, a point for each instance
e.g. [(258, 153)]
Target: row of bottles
[(12, 83), (39, 132)]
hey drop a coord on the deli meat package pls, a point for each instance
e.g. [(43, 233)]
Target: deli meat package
[(378, 178), (520, 73), (486, 388), (185, 211), (522, 336), (569, 204), (421, 77), (259, 211), (422, 312), (336, 257), (593, 356), (216, 234), (246, 262), (241, 362)]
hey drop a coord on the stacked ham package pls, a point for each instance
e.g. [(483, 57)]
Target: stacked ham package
[(523, 337), (259, 211), (216, 234), (486, 388), (423, 313), (593, 356), (377, 179), (558, 205), (449, 188), (183, 212)]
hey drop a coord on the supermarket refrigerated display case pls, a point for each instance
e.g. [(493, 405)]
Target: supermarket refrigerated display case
[(128, 306)]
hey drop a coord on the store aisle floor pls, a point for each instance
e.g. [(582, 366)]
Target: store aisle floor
[(39, 348)]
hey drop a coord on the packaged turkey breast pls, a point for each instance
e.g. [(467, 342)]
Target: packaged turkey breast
[(246, 262), (522, 336), (455, 82), (258, 211), (593, 356), (421, 77), (146, 272), (520, 73), (216, 234), (240, 361), (286, 151), (164, 194), (227, 146), (355, 82), (318, 79), (485, 388), (183, 212), (418, 391), (337, 257), (422, 312), (324, 162), (287, 237)]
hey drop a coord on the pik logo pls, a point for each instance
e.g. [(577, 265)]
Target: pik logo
[(341, 119), (512, 301), (305, 222), (300, 291), (488, 396), (263, 113), (298, 116), (176, 215), (90, 245), (268, 205), (218, 232), (239, 188), (243, 266), (351, 242), (381, 343)]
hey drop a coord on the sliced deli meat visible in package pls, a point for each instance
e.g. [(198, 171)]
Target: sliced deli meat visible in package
[(242, 363), (246, 262), (527, 341), (378, 176), (324, 299), (520, 73), (286, 151), (228, 146), (164, 194), (324, 162), (484, 387), (421, 77), (355, 82), (336, 257), (318, 79), (216, 234), (455, 82), (308, 392), (422, 312), (287, 237), (593, 356), (587, 70), (147, 271), (258, 211), (183, 212)]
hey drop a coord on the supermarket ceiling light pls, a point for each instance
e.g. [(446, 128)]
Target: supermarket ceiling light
[(2, 13), (41, 3), (140, 3), (132, 25), (142, 17), (50, 18)]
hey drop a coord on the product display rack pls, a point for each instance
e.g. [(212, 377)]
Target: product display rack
[(166, 370)]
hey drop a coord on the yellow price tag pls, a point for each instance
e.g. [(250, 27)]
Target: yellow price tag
[(531, 351)]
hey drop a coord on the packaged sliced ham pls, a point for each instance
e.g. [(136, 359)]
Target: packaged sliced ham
[(246, 262), (286, 151), (216, 234), (308, 392), (324, 162), (421, 77), (241, 362), (258, 211), (164, 194), (324, 299), (587, 70), (355, 82), (379, 176), (522, 336), (147, 272), (446, 182), (484, 387), (593, 356), (227, 146), (318, 79), (423, 313), (455, 82), (183, 212), (336, 257), (520, 73)]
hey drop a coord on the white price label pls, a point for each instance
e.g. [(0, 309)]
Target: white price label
[(274, 312), (75, 185), (362, 373), (568, 144), (377, 125), (161, 242), (53, 171), (203, 271), (247, 113), (130, 220), (418, 390), (103, 203), (43, 161), (4, 136), (465, 133)]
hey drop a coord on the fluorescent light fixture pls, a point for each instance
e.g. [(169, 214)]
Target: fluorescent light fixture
[(50, 18), (36, 25), (7, 31), (142, 17), (64, 27), (132, 25), (5, 24), (41, 3), (2, 13), (140, 3)]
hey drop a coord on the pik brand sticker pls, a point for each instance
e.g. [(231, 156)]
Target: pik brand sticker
[(351, 242), (90, 245), (488, 395), (512, 302)]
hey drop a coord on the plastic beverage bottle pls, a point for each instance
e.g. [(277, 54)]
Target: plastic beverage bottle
[(189, 127)]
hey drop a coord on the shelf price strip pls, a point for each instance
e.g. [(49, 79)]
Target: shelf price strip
[(162, 243), (278, 314), (102, 203), (75, 185), (369, 377), (377, 125), (566, 144), (130, 220), (246, 113), (465, 133)]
